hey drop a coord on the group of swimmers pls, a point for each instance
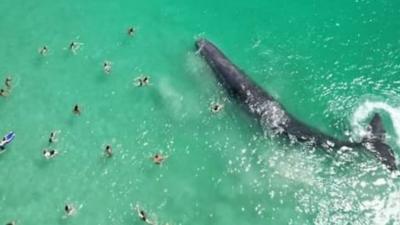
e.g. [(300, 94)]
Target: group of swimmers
[(143, 80), (140, 81), (5, 91), (158, 158), (51, 153), (73, 47), (70, 210)]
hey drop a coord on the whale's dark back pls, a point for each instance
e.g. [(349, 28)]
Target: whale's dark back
[(256, 100), (274, 116)]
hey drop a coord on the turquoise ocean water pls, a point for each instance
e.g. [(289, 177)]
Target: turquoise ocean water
[(330, 63)]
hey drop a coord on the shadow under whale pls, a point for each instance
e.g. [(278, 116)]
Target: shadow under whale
[(273, 115)]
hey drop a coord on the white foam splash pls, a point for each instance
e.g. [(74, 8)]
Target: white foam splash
[(384, 211), (364, 111)]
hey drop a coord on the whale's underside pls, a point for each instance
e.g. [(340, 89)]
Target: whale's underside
[(273, 115)]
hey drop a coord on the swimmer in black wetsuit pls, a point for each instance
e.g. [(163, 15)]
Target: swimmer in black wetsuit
[(43, 51), (7, 82), (143, 215), (158, 159), (3, 93), (142, 81), (69, 209), (216, 107), (74, 46), (131, 31), (76, 110), (108, 151), (107, 67), (52, 137), (50, 153)]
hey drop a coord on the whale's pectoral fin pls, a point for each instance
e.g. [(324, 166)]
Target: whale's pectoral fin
[(375, 142)]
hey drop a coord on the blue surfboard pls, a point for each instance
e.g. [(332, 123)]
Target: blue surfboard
[(7, 139)]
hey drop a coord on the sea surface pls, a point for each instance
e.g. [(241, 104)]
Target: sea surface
[(332, 64)]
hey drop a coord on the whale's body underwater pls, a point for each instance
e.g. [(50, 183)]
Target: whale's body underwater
[(273, 115)]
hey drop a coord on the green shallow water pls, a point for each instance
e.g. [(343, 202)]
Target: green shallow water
[(330, 63)]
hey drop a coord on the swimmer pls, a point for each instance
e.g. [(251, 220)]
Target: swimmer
[(158, 158), (142, 81), (131, 31), (3, 93), (74, 46), (50, 153), (145, 80), (53, 137), (216, 107), (69, 209), (43, 51), (76, 110), (108, 151), (7, 82), (107, 67), (143, 215), (12, 223)]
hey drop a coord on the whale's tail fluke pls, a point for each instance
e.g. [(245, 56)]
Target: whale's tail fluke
[(375, 142)]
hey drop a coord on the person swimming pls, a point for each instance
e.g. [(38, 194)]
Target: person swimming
[(7, 82), (43, 50), (143, 215), (69, 209), (145, 80), (3, 93), (216, 107), (74, 46), (108, 151), (107, 67), (53, 137), (142, 81), (12, 223), (158, 158), (76, 110), (131, 31), (50, 153)]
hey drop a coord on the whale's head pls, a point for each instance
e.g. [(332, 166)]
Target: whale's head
[(207, 49), (200, 42), (234, 81)]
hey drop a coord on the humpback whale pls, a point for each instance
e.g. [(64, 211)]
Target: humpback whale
[(271, 114)]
